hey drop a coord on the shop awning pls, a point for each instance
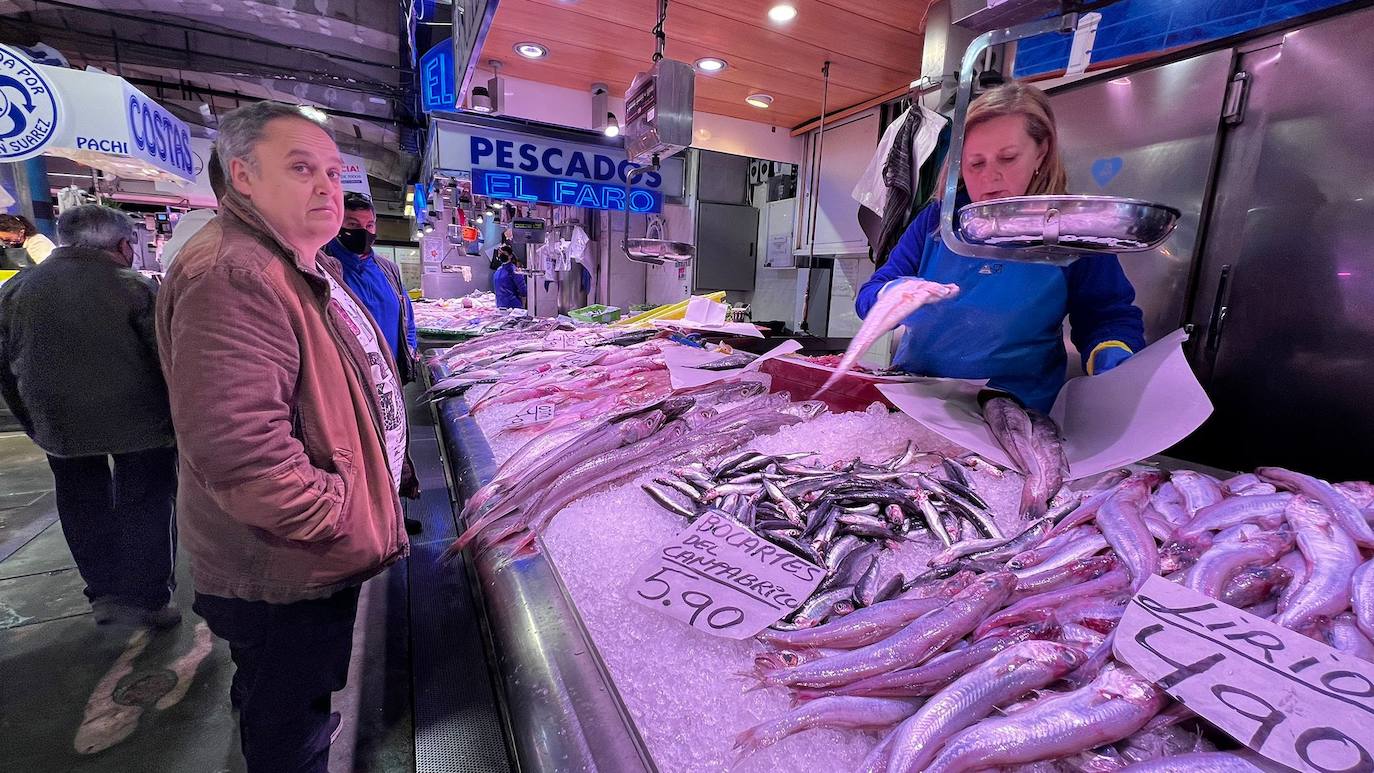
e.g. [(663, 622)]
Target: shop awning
[(90, 117)]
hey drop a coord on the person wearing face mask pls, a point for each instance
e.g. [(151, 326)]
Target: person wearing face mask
[(79, 368), (1006, 323), (376, 281), (16, 231)]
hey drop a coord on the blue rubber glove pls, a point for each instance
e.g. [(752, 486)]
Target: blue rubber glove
[(1107, 358)]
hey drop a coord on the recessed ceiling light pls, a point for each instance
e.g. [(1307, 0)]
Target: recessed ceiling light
[(711, 64), (531, 50), (759, 100), (1120, 82), (782, 12)]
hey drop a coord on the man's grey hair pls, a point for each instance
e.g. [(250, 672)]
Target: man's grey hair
[(241, 129), (95, 227)]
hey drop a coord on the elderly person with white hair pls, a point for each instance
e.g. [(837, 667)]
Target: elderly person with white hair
[(79, 369), (291, 429)]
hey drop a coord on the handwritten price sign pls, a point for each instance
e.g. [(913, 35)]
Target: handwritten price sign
[(532, 416), (1280, 693), (721, 578)]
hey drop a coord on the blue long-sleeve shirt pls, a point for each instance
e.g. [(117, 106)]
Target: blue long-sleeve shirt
[(383, 299), (1006, 323), (510, 287)]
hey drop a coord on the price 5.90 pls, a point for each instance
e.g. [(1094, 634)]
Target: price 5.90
[(719, 618)]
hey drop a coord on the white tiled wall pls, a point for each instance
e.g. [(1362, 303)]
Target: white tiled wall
[(669, 283)]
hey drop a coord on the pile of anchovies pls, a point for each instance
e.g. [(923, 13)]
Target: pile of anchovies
[(1000, 656), (839, 516)]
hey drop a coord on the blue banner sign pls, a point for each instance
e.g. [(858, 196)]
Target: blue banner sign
[(531, 167), (514, 186), (437, 88)]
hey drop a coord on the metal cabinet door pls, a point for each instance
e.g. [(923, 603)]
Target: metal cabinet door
[(1286, 297), (1151, 135), (727, 236)]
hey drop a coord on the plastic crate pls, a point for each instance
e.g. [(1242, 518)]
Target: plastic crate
[(596, 313)]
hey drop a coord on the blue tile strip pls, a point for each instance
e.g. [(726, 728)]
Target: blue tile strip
[(1137, 27)]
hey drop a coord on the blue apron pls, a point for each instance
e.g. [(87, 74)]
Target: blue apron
[(1006, 325)]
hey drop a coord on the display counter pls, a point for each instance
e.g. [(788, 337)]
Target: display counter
[(595, 681)]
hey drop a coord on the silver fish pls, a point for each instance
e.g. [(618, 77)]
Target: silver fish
[(1196, 762), (895, 305), (1007, 676), (1264, 509), (1215, 568), (1115, 705), (1121, 519), (836, 711), (1347, 514), (908, 647), (1331, 557), (1362, 597)]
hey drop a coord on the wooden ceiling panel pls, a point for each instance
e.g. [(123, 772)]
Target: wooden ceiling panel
[(872, 44)]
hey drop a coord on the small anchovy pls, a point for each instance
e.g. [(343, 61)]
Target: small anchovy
[(932, 516), (667, 502), (730, 461), (777, 525), (801, 549), (726, 489), (682, 487), (955, 472), (965, 491), (733, 361), (820, 606)]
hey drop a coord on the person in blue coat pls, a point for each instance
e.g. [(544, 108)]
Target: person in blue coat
[(376, 281), (1006, 323), (510, 287)]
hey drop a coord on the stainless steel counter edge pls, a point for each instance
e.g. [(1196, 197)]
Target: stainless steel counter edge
[(564, 711)]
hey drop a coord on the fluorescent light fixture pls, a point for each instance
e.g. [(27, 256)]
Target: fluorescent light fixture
[(782, 13), (711, 64), (531, 50), (761, 101), (314, 113)]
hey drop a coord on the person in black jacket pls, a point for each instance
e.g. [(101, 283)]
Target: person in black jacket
[(79, 369)]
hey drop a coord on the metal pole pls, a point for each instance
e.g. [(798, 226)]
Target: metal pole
[(813, 190)]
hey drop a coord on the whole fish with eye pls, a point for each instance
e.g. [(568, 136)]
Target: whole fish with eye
[(892, 307), (1034, 443), (729, 362)]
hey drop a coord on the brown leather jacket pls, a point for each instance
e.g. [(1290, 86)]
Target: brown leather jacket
[(284, 491)]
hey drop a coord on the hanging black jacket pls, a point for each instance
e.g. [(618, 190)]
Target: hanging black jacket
[(78, 356)]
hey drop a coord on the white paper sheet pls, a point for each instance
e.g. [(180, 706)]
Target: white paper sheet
[(728, 328), (1140, 408), (704, 311), (681, 361)]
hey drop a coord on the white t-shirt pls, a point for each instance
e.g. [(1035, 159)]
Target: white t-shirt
[(383, 376)]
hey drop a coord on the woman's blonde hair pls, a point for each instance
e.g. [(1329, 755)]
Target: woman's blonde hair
[(1033, 105)]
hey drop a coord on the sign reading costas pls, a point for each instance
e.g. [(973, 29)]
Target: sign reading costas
[(159, 137), (117, 128), (506, 165), (30, 108)]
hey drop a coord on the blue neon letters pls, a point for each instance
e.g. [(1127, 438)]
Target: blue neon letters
[(437, 90), (553, 162), (157, 134), (592, 195)]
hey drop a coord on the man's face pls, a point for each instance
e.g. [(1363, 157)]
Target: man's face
[(295, 182), (361, 218)]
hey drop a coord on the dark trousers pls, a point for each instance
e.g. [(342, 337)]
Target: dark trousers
[(289, 658), (119, 523)]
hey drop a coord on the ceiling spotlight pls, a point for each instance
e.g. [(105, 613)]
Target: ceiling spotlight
[(531, 50), (711, 64), (612, 128), (429, 228), (419, 235), (761, 101), (782, 13)]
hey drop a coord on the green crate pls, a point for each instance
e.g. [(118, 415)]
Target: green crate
[(596, 313)]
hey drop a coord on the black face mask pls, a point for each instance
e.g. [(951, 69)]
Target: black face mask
[(357, 240)]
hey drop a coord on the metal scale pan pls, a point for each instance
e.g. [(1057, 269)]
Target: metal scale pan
[(1055, 230)]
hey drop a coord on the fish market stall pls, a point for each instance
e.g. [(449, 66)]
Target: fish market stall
[(964, 615)]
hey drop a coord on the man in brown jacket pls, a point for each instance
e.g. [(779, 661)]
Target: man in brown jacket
[(291, 428)]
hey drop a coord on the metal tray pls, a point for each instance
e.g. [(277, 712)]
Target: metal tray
[(1067, 223)]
